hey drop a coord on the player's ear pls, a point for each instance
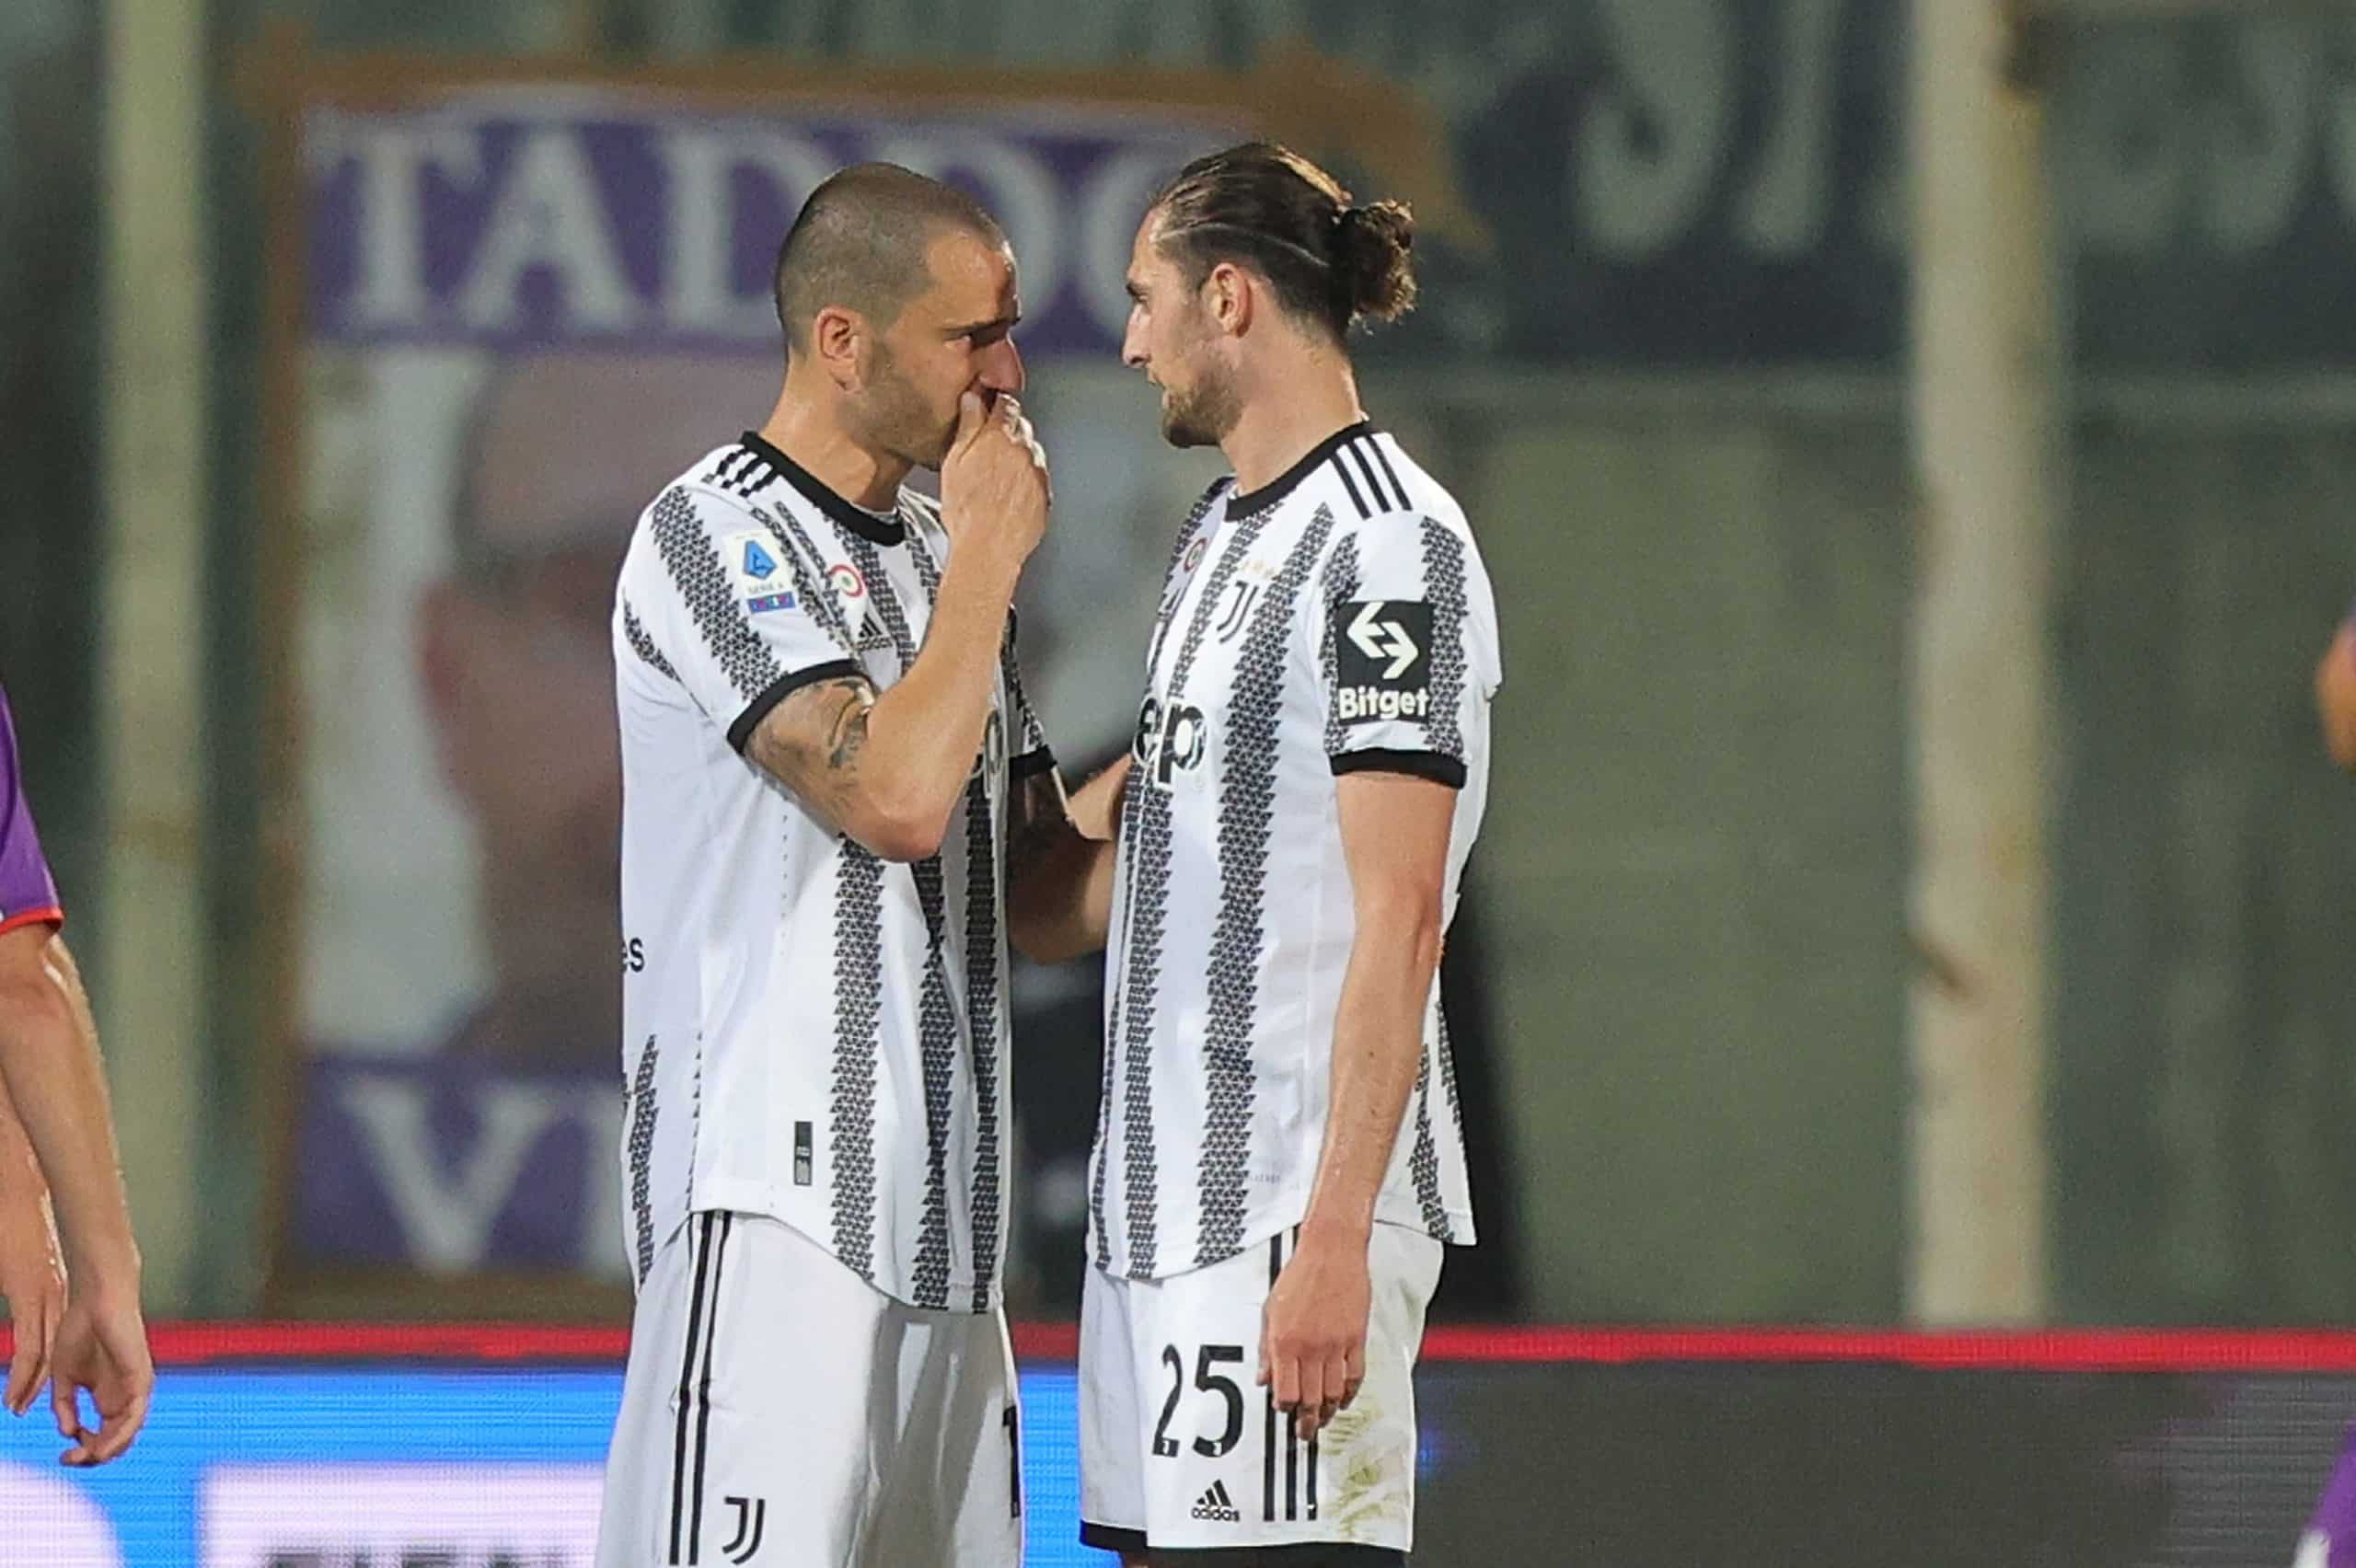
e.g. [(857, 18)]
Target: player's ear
[(838, 337), (1228, 295)]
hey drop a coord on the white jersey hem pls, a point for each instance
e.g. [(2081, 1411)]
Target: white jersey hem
[(1398, 1209), (739, 1196)]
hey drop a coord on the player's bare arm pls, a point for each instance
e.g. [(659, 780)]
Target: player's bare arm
[(1395, 839), (49, 1056), (1059, 864), (814, 743), (888, 770), (33, 1270), (2336, 696)]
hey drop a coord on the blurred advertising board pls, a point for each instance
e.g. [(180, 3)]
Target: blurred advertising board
[(402, 1449)]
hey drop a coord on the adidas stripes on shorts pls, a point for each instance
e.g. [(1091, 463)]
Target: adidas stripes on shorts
[(1181, 1450), (779, 1412)]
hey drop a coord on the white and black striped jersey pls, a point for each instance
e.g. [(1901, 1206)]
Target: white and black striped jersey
[(810, 1032), (1338, 618)]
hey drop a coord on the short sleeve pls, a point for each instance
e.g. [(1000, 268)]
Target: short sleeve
[(721, 603), (1406, 648), (28, 893)]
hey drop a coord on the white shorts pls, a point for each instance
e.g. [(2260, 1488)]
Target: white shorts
[(1180, 1449), (779, 1410)]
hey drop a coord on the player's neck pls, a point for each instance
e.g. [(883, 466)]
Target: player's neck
[(806, 430), (1287, 415)]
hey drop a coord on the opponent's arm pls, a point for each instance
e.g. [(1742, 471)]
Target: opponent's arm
[(49, 1056), (32, 1271), (1059, 864), (1394, 840), (888, 769), (2336, 696)]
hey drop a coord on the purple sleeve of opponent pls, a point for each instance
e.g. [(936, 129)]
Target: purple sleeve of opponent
[(2330, 1540), (27, 892)]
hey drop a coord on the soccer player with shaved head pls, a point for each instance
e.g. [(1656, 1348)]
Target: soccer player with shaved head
[(836, 809)]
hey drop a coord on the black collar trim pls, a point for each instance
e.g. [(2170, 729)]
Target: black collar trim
[(858, 519), (1276, 490)]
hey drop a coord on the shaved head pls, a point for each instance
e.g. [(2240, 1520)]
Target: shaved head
[(861, 244)]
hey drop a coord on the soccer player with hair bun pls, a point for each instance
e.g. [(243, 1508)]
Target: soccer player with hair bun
[(1279, 1160)]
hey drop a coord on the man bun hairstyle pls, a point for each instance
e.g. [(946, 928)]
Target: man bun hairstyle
[(1373, 256), (1266, 207)]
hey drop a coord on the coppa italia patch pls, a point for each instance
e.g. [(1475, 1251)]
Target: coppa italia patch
[(1381, 670)]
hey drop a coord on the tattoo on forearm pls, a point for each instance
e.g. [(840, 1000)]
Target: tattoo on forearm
[(814, 744), (848, 733)]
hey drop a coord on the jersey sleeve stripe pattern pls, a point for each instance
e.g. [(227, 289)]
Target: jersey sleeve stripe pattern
[(936, 1017), (793, 548), (702, 583), (634, 633), (1443, 579), (1341, 587), (641, 1157), (1444, 586), (1247, 815)]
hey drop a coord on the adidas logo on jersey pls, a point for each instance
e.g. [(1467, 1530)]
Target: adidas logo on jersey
[(1356, 704), (1217, 1507)]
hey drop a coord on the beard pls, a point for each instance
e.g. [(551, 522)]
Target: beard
[(1202, 414), (898, 419)]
